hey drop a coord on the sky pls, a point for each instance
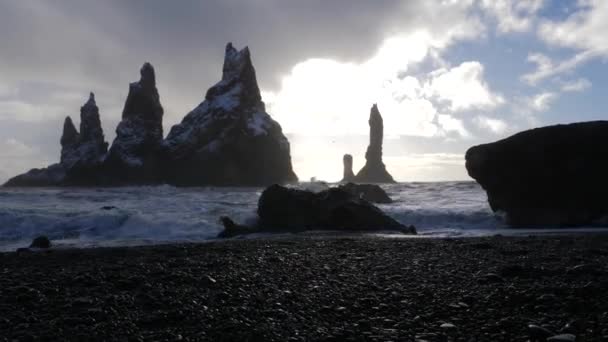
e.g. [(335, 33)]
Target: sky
[(446, 74)]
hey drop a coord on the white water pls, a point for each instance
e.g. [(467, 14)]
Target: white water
[(144, 215)]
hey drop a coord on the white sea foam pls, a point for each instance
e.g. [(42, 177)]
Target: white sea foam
[(144, 215)]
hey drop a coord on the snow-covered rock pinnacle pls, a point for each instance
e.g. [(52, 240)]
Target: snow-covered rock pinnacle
[(134, 155), (230, 139)]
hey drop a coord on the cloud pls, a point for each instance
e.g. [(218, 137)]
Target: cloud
[(512, 15), (578, 85), (18, 157), (547, 68), (464, 87), (330, 97), (541, 102), (583, 30), (496, 126)]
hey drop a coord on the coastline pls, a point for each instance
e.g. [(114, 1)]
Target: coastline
[(353, 287)]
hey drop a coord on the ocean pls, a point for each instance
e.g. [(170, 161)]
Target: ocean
[(127, 216)]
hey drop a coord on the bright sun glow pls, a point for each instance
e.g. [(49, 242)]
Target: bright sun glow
[(326, 98)]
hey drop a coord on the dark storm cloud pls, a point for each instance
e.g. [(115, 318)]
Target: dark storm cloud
[(70, 39)]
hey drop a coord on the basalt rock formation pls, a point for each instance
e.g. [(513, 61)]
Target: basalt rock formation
[(282, 209), (374, 170), (135, 155), (229, 139), (82, 154), (550, 176), (349, 176)]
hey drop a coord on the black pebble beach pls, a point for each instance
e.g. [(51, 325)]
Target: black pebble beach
[(349, 288)]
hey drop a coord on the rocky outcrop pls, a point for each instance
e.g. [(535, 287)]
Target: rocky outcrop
[(282, 209), (550, 176), (92, 146), (135, 155), (349, 176), (54, 175), (374, 170), (229, 139), (369, 192), (81, 153), (70, 139)]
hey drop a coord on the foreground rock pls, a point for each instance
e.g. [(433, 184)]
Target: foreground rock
[(369, 192), (41, 242), (135, 155), (282, 209), (82, 153), (230, 139), (550, 176), (374, 170)]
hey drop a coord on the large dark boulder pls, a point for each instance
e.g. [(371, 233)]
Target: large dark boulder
[(369, 192), (229, 139), (135, 155), (549, 176), (374, 170), (282, 209)]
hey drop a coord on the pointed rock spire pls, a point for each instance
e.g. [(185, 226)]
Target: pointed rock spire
[(70, 135), (374, 170), (230, 139), (70, 140), (90, 123), (238, 78), (134, 155), (143, 101)]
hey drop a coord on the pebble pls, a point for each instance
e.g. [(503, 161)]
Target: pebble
[(562, 338), (538, 333)]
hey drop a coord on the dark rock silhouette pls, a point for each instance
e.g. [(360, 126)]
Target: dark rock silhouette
[(349, 176), (282, 209), (70, 139), (369, 192), (374, 170), (134, 157), (41, 242), (229, 139), (93, 146), (81, 153), (549, 176)]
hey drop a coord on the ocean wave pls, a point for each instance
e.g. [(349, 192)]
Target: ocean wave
[(156, 214)]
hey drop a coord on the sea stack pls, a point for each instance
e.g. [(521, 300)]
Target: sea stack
[(349, 176), (551, 176), (82, 153), (229, 139), (134, 157), (374, 170), (69, 143)]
